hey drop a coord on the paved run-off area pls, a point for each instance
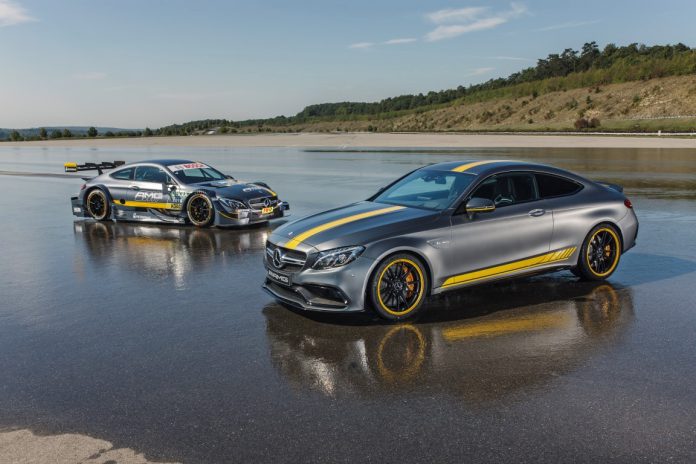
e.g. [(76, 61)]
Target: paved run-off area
[(135, 343)]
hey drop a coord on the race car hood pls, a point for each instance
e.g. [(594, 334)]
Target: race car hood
[(356, 224), (230, 188)]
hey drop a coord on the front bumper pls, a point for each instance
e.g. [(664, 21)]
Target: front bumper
[(243, 217), (334, 290)]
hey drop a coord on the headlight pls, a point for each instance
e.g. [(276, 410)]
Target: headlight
[(233, 204), (337, 257)]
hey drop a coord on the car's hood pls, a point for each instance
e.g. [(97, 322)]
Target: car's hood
[(356, 224), (231, 188)]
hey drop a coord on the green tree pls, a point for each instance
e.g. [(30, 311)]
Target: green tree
[(56, 134), (43, 133), (67, 133), (109, 134), (15, 136), (92, 132), (148, 132)]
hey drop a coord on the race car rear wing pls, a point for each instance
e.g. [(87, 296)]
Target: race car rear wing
[(74, 167)]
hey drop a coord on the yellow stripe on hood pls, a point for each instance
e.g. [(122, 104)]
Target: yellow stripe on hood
[(292, 244)]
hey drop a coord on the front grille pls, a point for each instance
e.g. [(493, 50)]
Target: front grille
[(258, 203), (292, 260)]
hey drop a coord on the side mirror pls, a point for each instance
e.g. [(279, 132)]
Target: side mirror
[(171, 187), (479, 205)]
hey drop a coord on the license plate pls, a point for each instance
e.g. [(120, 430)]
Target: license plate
[(268, 210), (279, 278)]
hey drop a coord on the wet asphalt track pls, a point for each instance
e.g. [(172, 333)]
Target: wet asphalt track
[(159, 338)]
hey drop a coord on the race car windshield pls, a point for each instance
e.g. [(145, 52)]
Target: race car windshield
[(428, 189), (193, 173)]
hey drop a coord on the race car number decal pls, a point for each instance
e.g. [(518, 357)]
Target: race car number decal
[(182, 167), (268, 210)]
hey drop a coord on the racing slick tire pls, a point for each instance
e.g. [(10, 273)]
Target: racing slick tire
[(200, 210), (398, 286), (97, 205), (600, 253)]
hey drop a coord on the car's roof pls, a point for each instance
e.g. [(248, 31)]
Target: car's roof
[(164, 162), (487, 167)]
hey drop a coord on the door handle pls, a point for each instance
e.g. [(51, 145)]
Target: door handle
[(134, 187), (537, 212)]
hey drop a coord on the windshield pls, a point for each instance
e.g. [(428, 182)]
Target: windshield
[(193, 173), (428, 189)]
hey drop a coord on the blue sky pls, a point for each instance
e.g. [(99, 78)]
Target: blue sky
[(155, 62)]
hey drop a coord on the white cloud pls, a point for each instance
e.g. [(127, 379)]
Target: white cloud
[(361, 45), (90, 76), (456, 15), (509, 58), (11, 13), (469, 20), (448, 32), (480, 71), (400, 41), (570, 25)]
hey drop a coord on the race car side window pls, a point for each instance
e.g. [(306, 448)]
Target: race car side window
[(554, 186), (123, 174), (150, 174)]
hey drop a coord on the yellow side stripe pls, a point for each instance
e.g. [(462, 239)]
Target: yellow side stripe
[(504, 327), (467, 166), (70, 165), (503, 269), (148, 204), (292, 244)]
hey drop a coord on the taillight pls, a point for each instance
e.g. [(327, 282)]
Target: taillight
[(84, 186), (628, 203)]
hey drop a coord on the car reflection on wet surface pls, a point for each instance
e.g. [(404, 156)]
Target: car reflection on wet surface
[(158, 341), (476, 357)]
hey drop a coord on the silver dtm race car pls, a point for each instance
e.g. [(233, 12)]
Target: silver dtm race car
[(448, 226), (173, 191)]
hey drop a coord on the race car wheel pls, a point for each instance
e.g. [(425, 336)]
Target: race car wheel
[(398, 286), (97, 205), (600, 253), (200, 210)]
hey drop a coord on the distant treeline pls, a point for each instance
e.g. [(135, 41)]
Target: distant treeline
[(569, 69), (43, 133)]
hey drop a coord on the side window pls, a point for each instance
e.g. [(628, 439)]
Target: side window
[(150, 174), (554, 186), (123, 174), (507, 189)]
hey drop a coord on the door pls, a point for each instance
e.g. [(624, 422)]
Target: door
[(119, 183), (494, 244), (149, 188)]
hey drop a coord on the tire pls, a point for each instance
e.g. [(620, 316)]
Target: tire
[(600, 253), (200, 210), (97, 205), (398, 287)]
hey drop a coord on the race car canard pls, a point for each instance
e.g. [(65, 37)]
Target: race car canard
[(172, 191)]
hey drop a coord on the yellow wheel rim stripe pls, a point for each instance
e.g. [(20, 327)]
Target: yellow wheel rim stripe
[(420, 294), (616, 258)]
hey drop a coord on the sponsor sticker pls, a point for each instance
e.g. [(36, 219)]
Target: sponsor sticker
[(268, 210), (183, 167)]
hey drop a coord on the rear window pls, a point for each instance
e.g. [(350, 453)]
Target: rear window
[(123, 174), (554, 186)]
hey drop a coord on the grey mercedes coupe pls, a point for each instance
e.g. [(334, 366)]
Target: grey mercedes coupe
[(444, 227), (173, 191)]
